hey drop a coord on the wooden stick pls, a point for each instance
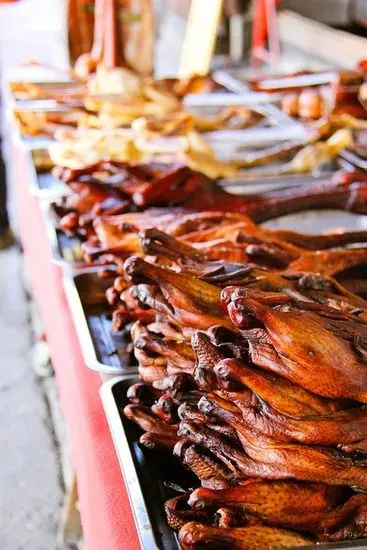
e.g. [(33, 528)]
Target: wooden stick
[(200, 37)]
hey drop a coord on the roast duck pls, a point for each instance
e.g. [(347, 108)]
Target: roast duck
[(251, 345), (111, 187), (255, 379)]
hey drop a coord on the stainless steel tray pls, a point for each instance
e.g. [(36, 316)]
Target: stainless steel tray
[(318, 221), (62, 83), (246, 185), (229, 79), (234, 145), (42, 182), (355, 160), (257, 136), (274, 127), (36, 142), (102, 350), (50, 79), (148, 475), (65, 250), (43, 105), (242, 97)]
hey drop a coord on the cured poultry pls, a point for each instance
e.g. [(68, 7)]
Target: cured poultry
[(287, 460), (303, 344), (267, 405), (286, 503), (251, 348), (251, 343), (112, 187)]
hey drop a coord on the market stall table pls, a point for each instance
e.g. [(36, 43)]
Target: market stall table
[(104, 505)]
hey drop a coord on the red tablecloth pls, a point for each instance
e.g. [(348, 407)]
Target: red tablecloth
[(105, 510)]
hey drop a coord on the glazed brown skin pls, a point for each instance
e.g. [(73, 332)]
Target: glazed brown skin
[(307, 292), (192, 302), (340, 428), (153, 440), (190, 413), (135, 187), (178, 513), (307, 463), (280, 503), (235, 460), (270, 411), (284, 396), (192, 535), (207, 356), (250, 242), (198, 258), (226, 240), (148, 421), (301, 286), (320, 242), (312, 356), (319, 513), (264, 355), (158, 433)]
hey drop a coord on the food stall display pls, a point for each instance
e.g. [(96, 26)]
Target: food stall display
[(239, 408)]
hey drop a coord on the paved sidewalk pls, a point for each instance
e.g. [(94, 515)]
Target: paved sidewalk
[(30, 492)]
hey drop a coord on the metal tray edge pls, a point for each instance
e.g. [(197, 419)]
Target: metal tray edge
[(57, 259), (45, 205), (225, 79), (136, 498), (34, 188), (246, 184), (81, 325), (354, 159)]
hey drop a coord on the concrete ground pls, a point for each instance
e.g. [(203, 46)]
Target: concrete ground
[(30, 492), (30, 472)]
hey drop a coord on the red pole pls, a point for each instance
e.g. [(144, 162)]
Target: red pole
[(259, 30)]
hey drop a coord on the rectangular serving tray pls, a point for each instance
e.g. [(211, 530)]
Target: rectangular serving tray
[(319, 221), (103, 351), (261, 136), (43, 105), (150, 475), (244, 98), (64, 249), (236, 79), (272, 116), (43, 183), (147, 473)]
